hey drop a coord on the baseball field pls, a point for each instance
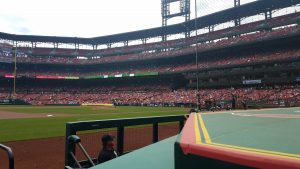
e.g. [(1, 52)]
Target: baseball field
[(35, 122), (36, 133)]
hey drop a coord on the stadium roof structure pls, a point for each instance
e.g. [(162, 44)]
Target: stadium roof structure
[(246, 10)]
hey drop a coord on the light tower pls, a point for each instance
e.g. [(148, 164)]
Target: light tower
[(184, 11), (237, 3)]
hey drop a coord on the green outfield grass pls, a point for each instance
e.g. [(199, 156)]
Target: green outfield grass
[(36, 128)]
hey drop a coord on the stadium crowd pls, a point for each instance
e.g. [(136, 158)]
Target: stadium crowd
[(154, 95)]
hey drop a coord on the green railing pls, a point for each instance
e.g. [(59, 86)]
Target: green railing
[(120, 124)]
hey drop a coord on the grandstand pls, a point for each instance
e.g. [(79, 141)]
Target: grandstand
[(262, 56), (247, 56)]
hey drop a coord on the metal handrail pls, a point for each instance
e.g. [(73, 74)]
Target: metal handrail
[(9, 154)]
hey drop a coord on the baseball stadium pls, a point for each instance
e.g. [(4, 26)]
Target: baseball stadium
[(216, 90)]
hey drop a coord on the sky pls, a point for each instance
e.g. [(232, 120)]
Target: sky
[(91, 18)]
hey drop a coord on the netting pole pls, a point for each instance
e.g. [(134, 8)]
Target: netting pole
[(15, 70), (197, 64)]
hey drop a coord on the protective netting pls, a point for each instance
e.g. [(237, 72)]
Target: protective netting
[(206, 7)]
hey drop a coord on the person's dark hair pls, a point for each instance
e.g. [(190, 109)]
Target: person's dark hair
[(106, 138)]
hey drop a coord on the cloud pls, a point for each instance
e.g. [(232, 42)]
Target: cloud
[(14, 24), (22, 30), (13, 18)]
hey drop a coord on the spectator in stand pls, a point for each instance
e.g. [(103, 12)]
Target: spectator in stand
[(150, 95), (209, 62)]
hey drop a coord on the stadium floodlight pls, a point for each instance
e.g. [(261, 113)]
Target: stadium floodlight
[(166, 13), (237, 3)]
